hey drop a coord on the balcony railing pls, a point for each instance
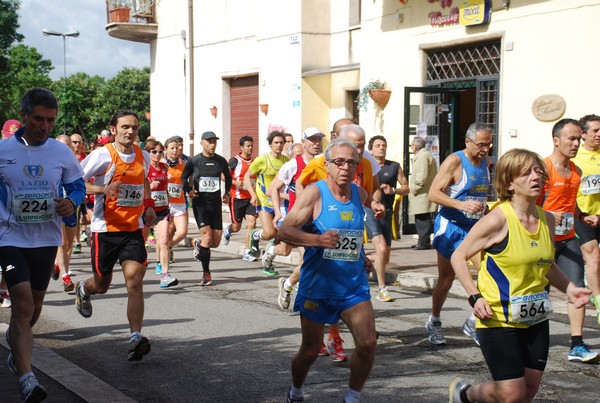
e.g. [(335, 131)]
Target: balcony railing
[(132, 20)]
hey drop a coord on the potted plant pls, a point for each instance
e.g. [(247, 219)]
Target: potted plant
[(120, 10), (378, 91)]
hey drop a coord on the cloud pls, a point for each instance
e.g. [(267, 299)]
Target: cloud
[(93, 52)]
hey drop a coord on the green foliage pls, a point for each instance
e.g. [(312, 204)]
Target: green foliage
[(26, 69), (363, 95), (8, 30)]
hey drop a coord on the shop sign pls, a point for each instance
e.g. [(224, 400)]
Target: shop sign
[(548, 108), (475, 12), (436, 18)]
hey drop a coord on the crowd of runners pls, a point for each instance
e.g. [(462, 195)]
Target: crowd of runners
[(326, 202)]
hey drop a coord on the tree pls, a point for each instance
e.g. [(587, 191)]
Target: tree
[(27, 69), (78, 100), (8, 30), (129, 89)]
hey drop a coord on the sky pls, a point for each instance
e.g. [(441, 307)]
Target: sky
[(94, 52)]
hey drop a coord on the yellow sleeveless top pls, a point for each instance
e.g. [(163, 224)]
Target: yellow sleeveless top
[(512, 281)]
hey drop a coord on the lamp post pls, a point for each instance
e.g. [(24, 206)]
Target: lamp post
[(74, 34)]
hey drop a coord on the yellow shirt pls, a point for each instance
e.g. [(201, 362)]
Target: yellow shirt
[(265, 167), (588, 195), (510, 279)]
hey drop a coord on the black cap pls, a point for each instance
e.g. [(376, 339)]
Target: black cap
[(209, 135)]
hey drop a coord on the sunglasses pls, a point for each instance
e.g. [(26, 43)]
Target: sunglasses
[(157, 152), (75, 142)]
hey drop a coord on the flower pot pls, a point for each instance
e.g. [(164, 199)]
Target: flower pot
[(120, 14), (380, 97)]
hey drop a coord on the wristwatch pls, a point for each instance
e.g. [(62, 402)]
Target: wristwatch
[(473, 298)]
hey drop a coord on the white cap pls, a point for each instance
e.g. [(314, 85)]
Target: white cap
[(312, 131)]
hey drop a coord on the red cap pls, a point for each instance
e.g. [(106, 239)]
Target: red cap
[(10, 127), (104, 140)]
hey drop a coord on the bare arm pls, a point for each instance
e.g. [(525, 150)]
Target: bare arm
[(248, 186), (306, 208), (451, 173)]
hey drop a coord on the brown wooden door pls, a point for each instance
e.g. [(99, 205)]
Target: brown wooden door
[(244, 111)]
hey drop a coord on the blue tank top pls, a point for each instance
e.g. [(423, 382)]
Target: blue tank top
[(336, 273), (473, 185)]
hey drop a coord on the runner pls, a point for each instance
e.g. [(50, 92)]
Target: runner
[(265, 168), (559, 197), (158, 178), (179, 219), (588, 200), (380, 230), (460, 188), (239, 200), (334, 283), (205, 170), (122, 191), (32, 167), (510, 300)]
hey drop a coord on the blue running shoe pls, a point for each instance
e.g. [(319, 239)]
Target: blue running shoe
[(582, 353)]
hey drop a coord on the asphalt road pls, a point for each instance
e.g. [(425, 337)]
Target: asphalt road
[(232, 343)]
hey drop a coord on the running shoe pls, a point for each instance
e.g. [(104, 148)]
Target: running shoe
[(196, 244), (284, 295), (269, 255), (270, 271), (470, 331), (456, 388), (158, 268), (84, 305), (77, 248), (168, 281), (335, 348), (5, 300), (435, 333), (254, 244), (226, 235), (83, 237), (67, 283), (31, 390), (323, 350), (290, 399), (384, 296), (582, 353), (249, 256), (138, 349), (55, 272), (206, 281)]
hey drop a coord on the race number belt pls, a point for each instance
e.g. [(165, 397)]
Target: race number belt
[(530, 309), (130, 195), (175, 190), (208, 184), (34, 207), (160, 198), (348, 247)]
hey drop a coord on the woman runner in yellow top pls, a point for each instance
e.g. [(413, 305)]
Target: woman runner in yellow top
[(510, 301)]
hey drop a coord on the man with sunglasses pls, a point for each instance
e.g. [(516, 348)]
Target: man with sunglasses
[(328, 220), (460, 188)]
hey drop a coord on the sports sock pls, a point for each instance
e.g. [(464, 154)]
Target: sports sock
[(334, 331), (576, 341), (351, 396), (24, 377), (226, 229), (257, 235), (434, 319), (296, 393), (205, 258), (287, 285), (134, 336), (463, 395)]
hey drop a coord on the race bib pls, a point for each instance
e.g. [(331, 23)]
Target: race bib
[(160, 198), (208, 184), (482, 200), (348, 247), (130, 195), (175, 190), (590, 184), (530, 309), (34, 207), (566, 225)]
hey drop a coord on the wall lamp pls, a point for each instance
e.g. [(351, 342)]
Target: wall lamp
[(213, 111), (264, 108)]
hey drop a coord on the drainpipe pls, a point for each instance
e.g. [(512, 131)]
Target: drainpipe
[(190, 73)]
